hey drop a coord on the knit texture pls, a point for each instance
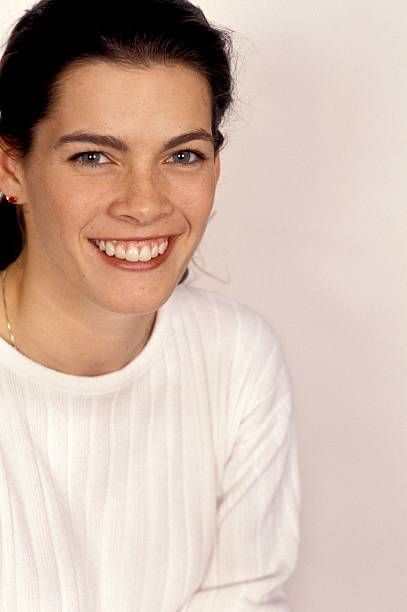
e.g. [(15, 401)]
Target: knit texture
[(170, 485)]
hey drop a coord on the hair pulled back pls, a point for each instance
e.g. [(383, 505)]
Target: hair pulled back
[(56, 35)]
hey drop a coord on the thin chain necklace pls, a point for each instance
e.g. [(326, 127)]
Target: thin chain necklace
[(10, 331)]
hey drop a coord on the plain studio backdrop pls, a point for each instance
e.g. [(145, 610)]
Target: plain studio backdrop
[(310, 230)]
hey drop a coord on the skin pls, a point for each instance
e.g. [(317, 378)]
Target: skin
[(69, 311)]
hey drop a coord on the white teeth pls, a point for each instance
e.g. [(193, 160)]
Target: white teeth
[(110, 250), (120, 252), (145, 254), (132, 252)]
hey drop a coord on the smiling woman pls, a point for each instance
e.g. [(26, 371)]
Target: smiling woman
[(147, 450)]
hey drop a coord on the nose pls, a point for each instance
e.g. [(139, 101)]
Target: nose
[(145, 199)]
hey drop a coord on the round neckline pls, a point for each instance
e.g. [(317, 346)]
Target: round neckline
[(15, 361)]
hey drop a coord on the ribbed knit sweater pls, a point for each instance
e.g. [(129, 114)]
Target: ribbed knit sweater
[(170, 485)]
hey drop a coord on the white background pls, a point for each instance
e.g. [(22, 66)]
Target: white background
[(311, 230)]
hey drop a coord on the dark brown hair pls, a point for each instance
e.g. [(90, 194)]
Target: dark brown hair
[(55, 35)]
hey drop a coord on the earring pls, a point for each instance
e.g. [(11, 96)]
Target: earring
[(11, 199)]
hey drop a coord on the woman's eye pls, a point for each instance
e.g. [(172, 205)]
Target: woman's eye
[(186, 158), (181, 158), (87, 158)]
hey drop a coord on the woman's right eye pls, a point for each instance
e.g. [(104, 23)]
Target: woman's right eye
[(77, 159)]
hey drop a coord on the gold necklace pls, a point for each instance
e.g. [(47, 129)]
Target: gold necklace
[(10, 331), (5, 308)]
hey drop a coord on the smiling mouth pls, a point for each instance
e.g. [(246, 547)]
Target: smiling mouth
[(137, 255), (133, 251)]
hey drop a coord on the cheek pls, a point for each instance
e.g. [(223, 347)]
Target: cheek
[(59, 218), (194, 192)]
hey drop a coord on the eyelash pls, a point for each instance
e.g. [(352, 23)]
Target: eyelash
[(76, 158)]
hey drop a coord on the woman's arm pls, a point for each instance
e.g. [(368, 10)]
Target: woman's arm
[(258, 535)]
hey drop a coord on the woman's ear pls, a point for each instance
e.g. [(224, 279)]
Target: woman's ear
[(10, 172)]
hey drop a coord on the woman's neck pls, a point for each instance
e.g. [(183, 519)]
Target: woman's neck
[(60, 339)]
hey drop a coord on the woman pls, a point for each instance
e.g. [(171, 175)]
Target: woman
[(148, 457)]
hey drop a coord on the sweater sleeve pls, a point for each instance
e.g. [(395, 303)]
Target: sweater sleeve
[(257, 539)]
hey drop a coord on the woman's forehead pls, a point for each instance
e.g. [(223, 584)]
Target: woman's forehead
[(174, 90), (145, 106)]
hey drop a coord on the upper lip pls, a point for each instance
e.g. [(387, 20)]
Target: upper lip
[(133, 238)]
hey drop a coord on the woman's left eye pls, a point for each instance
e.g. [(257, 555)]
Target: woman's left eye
[(79, 157), (186, 158)]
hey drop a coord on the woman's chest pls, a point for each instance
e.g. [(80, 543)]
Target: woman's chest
[(106, 510)]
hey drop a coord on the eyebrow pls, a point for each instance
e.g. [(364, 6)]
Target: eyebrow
[(106, 140)]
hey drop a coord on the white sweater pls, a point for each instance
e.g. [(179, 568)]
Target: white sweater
[(170, 485)]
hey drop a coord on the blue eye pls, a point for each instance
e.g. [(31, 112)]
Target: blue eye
[(181, 158), (87, 154), (185, 158)]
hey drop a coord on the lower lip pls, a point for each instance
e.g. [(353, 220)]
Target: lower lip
[(140, 266)]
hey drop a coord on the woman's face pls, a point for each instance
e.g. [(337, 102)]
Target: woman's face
[(81, 190)]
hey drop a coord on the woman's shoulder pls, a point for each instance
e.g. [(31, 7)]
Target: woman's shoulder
[(212, 303), (232, 337), (225, 316)]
